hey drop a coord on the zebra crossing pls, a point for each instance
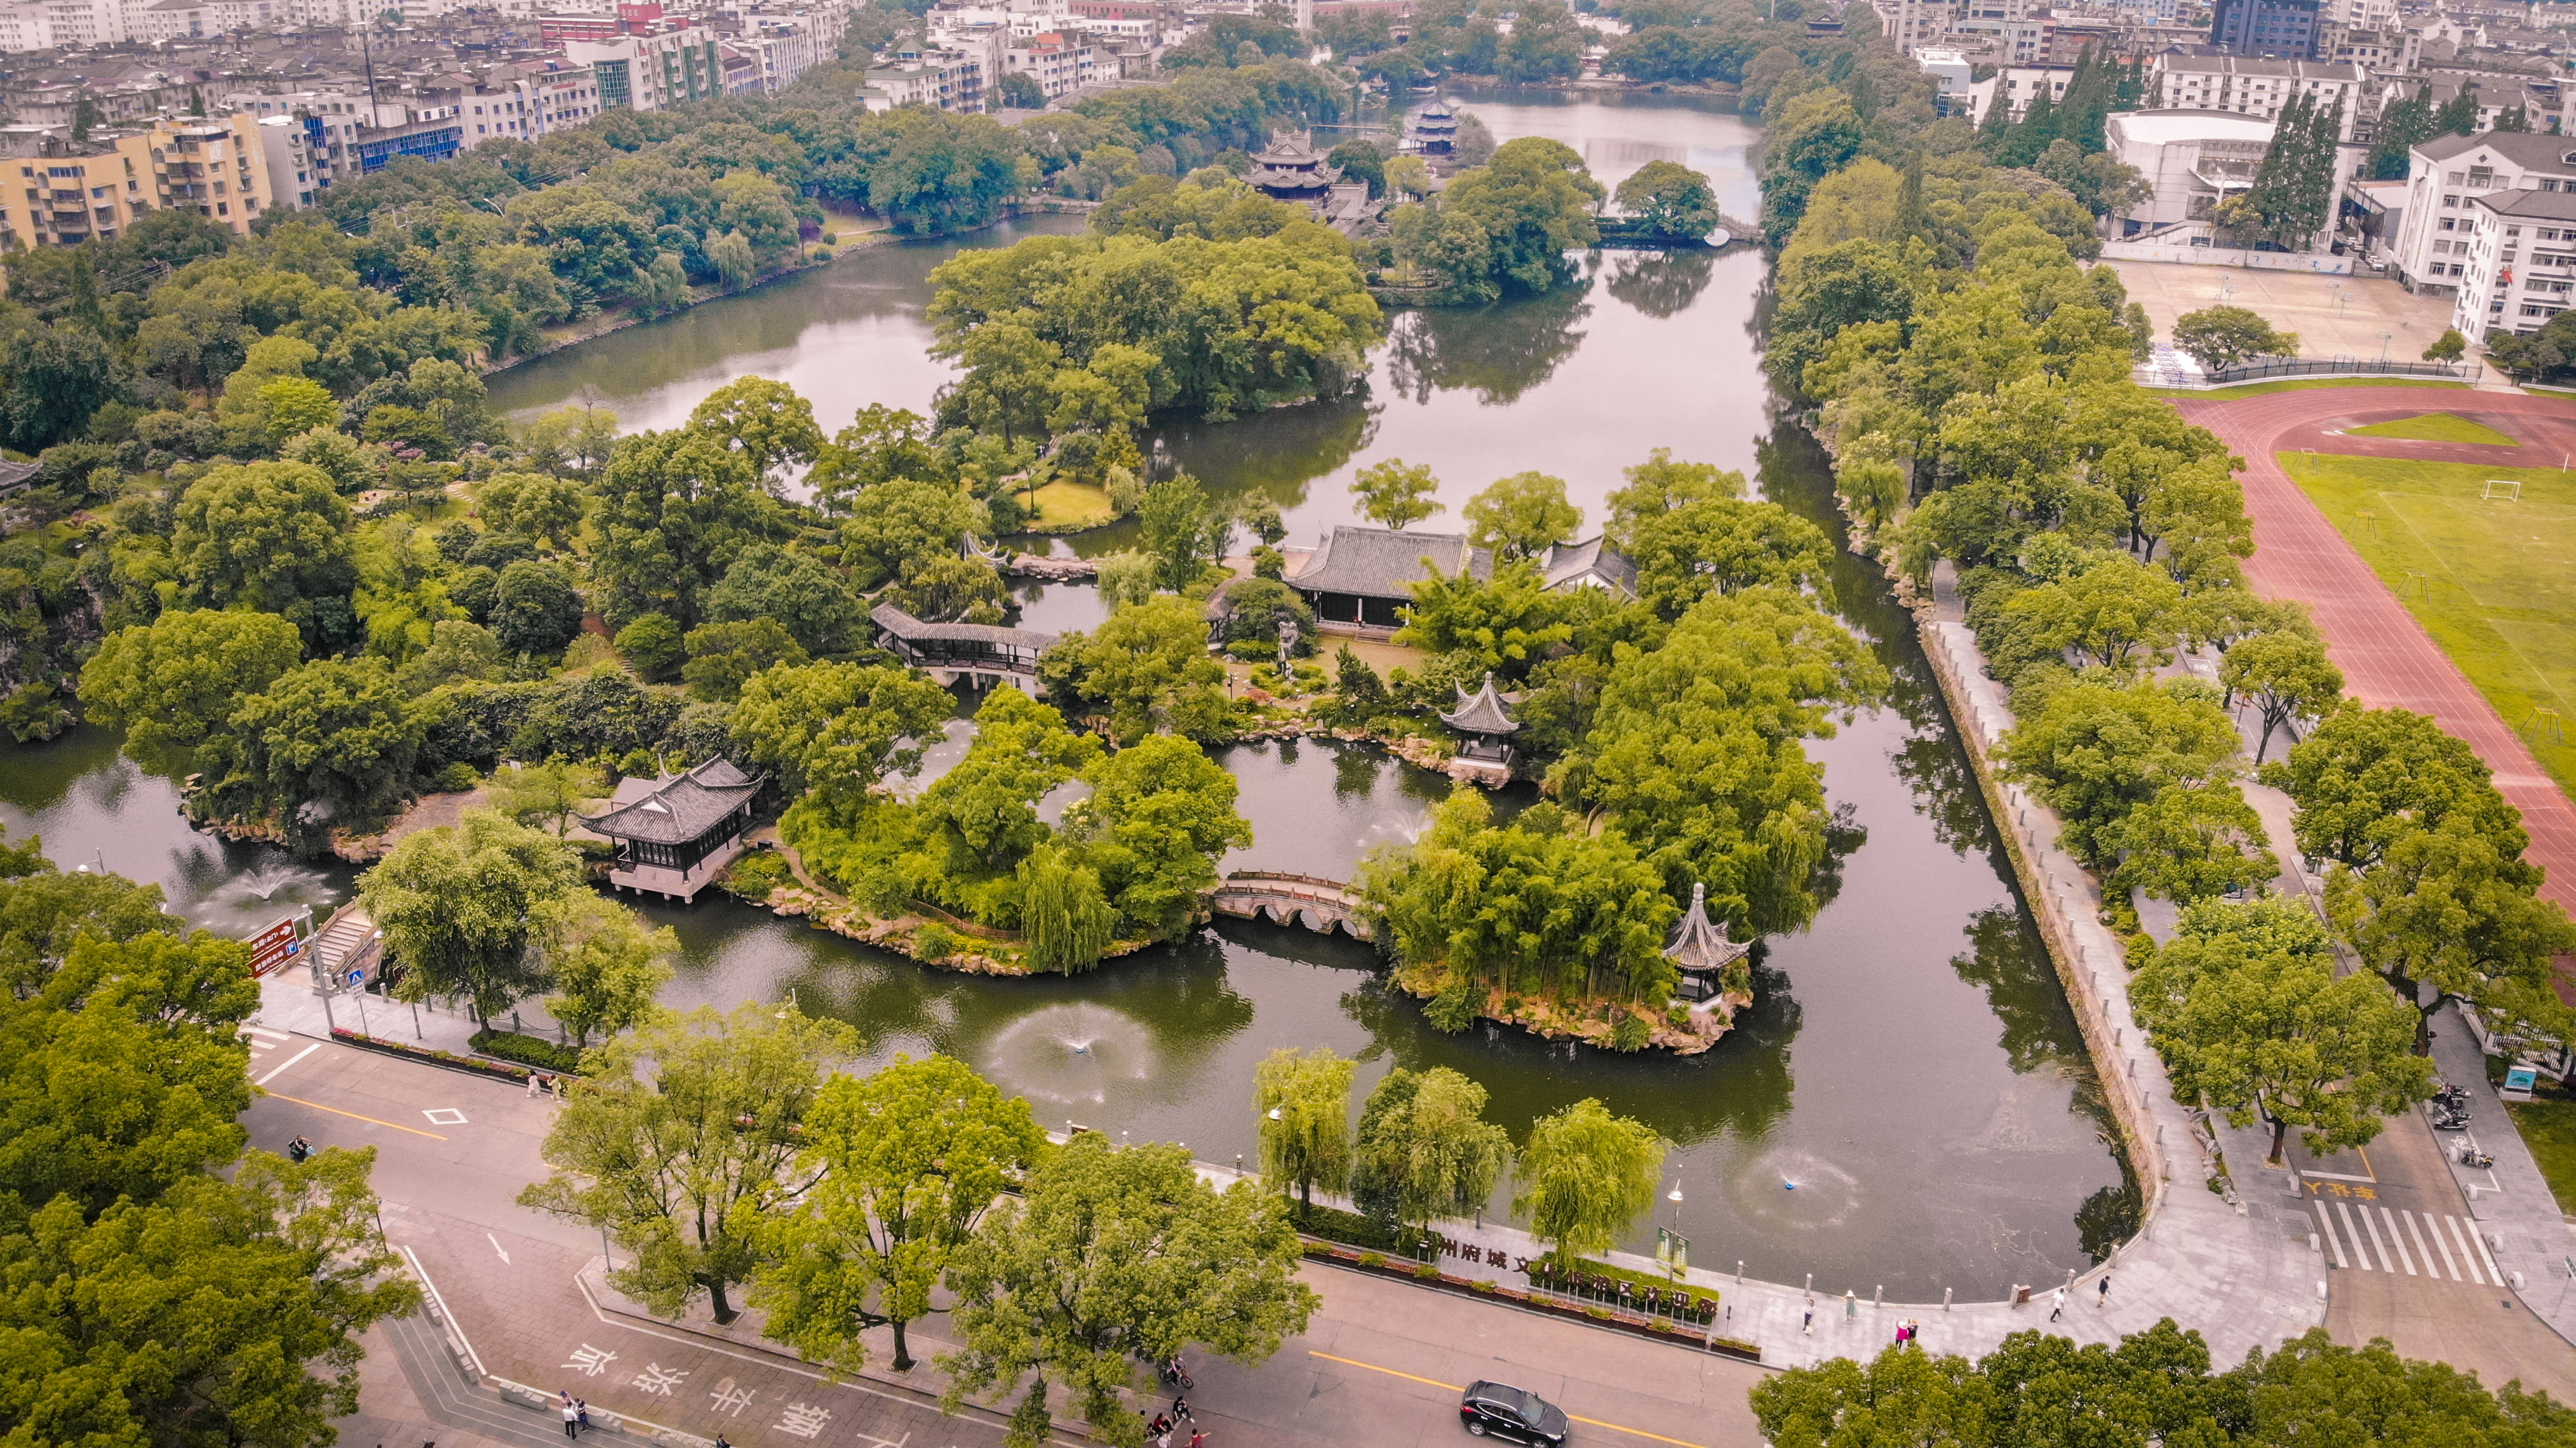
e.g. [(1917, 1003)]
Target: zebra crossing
[(263, 1040), (2400, 1239), (266, 1064)]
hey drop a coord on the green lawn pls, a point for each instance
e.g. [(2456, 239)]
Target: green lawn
[(2436, 427), (2301, 384), (2549, 1129), (2494, 582), (1069, 508)]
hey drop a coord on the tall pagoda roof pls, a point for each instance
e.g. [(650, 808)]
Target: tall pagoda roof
[(1699, 945), (1481, 712)]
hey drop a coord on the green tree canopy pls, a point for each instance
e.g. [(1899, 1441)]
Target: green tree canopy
[(1425, 1149), (685, 1134), (1394, 492), (1533, 202), (274, 536), (2364, 779), (474, 909), (1159, 816), (2191, 843), (1669, 199), (2249, 1014), (837, 730), (2220, 337), (1520, 516), (723, 657), (174, 682), (1585, 1177), (608, 969), (1505, 623), (906, 1163), (896, 522), (1148, 668), (1303, 1103), (332, 742), (2097, 749), (1114, 1257), (801, 594), (763, 421)]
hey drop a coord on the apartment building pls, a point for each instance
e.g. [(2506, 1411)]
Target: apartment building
[(1060, 64), (2015, 87), (653, 70), (2288, 29), (946, 80), (2521, 269), (1910, 23), (71, 191), (2447, 177), (2252, 86)]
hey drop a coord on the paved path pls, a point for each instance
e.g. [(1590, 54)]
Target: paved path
[(2526, 1233), (2386, 657), (1380, 1364)]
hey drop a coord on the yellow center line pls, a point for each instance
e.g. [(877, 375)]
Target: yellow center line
[(1456, 1388), (336, 1111)]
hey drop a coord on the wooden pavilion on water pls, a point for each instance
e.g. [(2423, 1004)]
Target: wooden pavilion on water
[(1700, 949), (1485, 754), (677, 832)]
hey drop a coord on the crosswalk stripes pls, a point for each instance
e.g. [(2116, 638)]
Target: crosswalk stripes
[(262, 1039), (2362, 1229)]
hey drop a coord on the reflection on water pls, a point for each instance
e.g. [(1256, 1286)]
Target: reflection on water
[(94, 807), (1910, 1066)]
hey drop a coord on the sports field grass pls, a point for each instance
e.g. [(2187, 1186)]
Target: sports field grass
[(2300, 384), (2436, 427), (2493, 581)]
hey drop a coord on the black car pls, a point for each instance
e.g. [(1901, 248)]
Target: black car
[(1507, 1412)]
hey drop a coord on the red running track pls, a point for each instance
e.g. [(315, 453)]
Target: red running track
[(2386, 657)]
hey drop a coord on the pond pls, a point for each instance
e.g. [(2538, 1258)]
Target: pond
[(1908, 1103)]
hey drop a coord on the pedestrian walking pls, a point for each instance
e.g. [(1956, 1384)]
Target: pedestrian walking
[(2102, 1294), (2058, 1305), (1913, 1332), (1198, 1437), (1809, 1326), (532, 1085), (572, 1419)]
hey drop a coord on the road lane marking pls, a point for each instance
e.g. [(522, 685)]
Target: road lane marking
[(2360, 1248), (783, 1365), (1456, 1388), (2420, 1249), (289, 1061), (444, 1116), (353, 1116), (2468, 1259), (2325, 1220), (2479, 1238), (2433, 1229), (2405, 1258), (496, 1246)]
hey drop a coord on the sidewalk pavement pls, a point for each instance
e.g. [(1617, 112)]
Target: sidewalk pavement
[(2528, 1235), (288, 1002)]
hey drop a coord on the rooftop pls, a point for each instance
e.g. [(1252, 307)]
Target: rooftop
[(1385, 563), (675, 809), (1698, 944), (1481, 712), (2545, 205), (2166, 128), (904, 626), (2521, 148)]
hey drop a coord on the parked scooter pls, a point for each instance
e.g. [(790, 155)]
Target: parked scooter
[(2451, 1118), (2469, 1155)]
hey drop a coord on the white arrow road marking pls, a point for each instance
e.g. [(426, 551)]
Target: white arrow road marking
[(496, 1246)]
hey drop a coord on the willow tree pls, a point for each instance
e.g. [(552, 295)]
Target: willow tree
[(1425, 1149), (1304, 1098), (1066, 921), (1585, 1176)]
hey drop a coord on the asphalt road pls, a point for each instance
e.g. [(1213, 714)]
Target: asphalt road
[(1382, 1362)]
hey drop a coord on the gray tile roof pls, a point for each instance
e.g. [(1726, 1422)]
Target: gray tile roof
[(677, 810), (1699, 945), (904, 626), (1481, 712), (1383, 563), (2525, 149), (2547, 205), (1567, 562)]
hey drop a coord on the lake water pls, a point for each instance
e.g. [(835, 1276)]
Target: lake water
[(1907, 1104)]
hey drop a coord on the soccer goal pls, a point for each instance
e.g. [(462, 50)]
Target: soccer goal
[(2506, 488)]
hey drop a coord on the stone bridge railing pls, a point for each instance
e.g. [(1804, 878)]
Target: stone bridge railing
[(1318, 904)]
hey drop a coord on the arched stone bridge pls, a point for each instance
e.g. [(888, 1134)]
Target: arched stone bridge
[(1312, 901)]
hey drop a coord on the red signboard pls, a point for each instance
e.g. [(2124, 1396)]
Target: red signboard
[(274, 947)]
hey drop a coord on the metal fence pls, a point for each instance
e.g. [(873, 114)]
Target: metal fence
[(2341, 366)]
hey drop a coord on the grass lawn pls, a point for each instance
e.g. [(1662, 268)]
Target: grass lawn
[(2301, 384), (2490, 580), (2549, 1129), (1069, 508), (2436, 427)]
